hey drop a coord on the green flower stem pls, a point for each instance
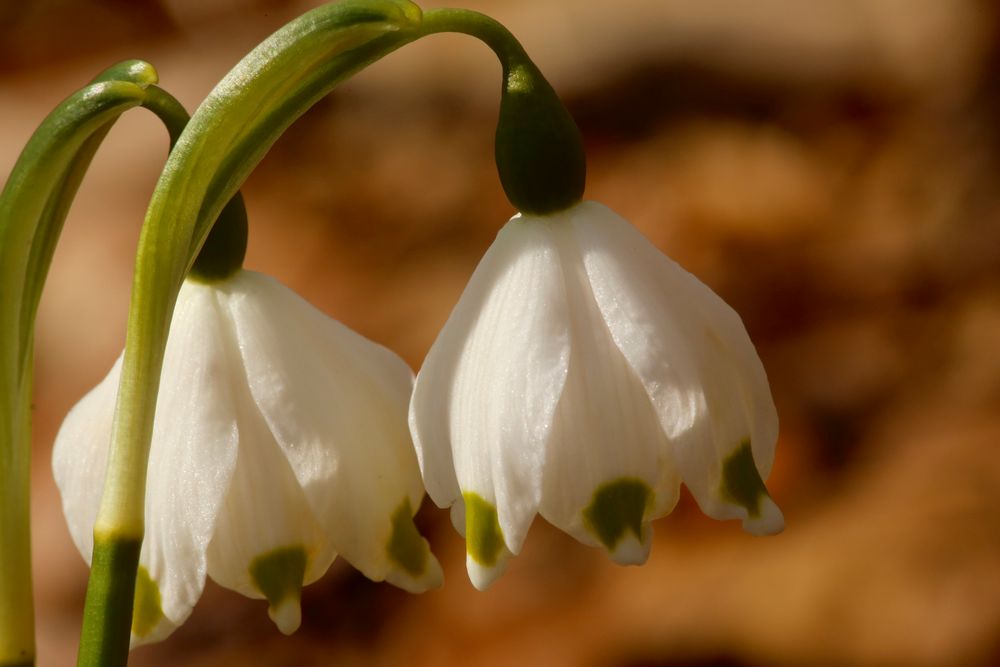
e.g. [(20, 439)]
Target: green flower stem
[(17, 621), (33, 206), (171, 113), (225, 139), (111, 587), (107, 620), (539, 151)]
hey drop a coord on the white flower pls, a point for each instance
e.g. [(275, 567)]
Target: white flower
[(582, 376), (280, 440)]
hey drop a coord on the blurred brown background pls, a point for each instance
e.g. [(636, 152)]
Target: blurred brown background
[(830, 167)]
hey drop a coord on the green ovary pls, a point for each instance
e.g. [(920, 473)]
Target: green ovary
[(741, 483), (618, 508), (146, 611), (279, 574), (407, 547), (483, 537)]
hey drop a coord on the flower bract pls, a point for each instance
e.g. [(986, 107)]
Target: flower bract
[(280, 440), (583, 375)]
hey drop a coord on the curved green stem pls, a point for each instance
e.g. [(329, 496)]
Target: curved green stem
[(107, 616), (33, 208), (171, 113), (539, 151), (229, 134), (225, 139), (322, 49), (539, 157), (33, 205)]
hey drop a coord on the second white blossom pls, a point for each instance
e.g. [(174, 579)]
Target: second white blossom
[(582, 376)]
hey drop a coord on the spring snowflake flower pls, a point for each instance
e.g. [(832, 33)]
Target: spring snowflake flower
[(582, 376), (280, 440)]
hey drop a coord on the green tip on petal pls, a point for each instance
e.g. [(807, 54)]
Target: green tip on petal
[(278, 575), (407, 548), (415, 569), (742, 485), (616, 518), (146, 610), (484, 542), (483, 537)]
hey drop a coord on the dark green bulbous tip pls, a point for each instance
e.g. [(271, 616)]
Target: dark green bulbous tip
[(539, 151), (226, 245)]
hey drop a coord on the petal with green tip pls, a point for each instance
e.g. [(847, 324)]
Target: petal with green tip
[(690, 351), (605, 427), (187, 480), (265, 511), (486, 549), (485, 398), (412, 566), (618, 518), (336, 405), (278, 576)]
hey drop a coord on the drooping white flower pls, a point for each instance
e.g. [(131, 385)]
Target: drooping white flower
[(280, 440), (582, 376)]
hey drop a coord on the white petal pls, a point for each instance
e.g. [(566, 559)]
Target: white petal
[(80, 458), (267, 542), (481, 575), (79, 461), (337, 404), (694, 358), (485, 397), (266, 515), (728, 333), (192, 455), (605, 473), (486, 550)]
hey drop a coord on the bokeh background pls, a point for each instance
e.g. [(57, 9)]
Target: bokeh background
[(829, 167)]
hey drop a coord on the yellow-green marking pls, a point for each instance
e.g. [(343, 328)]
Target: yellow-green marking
[(146, 610), (279, 574), (483, 537), (741, 483), (407, 547), (618, 508)]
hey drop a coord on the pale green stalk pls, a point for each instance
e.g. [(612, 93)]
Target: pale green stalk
[(228, 135), (33, 206), (225, 139)]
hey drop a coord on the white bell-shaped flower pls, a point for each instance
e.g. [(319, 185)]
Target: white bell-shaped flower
[(583, 375), (280, 440)]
